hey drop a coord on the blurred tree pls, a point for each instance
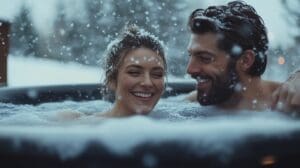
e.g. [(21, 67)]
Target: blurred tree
[(67, 42), (24, 36), (84, 40), (97, 24), (293, 18), (166, 19)]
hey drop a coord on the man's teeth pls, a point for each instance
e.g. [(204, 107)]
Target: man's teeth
[(145, 95), (202, 80)]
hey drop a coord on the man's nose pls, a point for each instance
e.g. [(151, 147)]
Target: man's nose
[(193, 67)]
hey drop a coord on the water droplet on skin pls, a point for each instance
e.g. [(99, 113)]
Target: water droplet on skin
[(119, 97), (150, 59), (254, 103), (279, 106)]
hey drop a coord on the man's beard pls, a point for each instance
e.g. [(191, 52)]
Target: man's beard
[(222, 88)]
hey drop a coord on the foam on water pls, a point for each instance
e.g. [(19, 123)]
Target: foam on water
[(202, 128)]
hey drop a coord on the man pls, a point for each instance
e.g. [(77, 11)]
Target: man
[(227, 51)]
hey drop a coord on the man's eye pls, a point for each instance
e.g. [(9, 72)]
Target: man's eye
[(206, 59)]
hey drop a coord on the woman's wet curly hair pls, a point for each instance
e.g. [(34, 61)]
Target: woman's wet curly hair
[(131, 38), (239, 25)]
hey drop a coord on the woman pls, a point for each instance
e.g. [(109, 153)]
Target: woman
[(135, 71)]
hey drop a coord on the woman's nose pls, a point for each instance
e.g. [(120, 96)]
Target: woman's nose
[(146, 81)]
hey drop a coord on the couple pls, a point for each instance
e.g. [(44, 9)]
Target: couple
[(227, 56)]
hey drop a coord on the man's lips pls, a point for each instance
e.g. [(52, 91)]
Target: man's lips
[(202, 82)]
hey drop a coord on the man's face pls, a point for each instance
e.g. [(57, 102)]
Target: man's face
[(213, 69)]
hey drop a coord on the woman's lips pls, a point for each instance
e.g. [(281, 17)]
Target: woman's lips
[(144, 95)]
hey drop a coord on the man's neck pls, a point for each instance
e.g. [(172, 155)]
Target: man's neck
[(253, 94)]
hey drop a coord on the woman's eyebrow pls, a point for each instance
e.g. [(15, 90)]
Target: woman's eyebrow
[(158, 68), (134, 66), (141, 67)]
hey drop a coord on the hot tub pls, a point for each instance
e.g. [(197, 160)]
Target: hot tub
[(190, 138)]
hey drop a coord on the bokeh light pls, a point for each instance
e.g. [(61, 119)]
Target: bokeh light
[(281, 60)]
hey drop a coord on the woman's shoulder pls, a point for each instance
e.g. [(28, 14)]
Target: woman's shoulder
[(68, 115), (77, 116)]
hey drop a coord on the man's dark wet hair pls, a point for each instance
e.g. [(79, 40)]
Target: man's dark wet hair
[(240, 28)]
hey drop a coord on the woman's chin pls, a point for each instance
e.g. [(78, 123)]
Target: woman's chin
[(143, 110)]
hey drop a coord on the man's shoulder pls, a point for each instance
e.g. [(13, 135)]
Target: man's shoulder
[(271, 85)]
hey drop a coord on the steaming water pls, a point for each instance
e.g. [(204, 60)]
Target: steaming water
[(202, 129)]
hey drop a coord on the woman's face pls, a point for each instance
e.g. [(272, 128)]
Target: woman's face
[(140, 82)]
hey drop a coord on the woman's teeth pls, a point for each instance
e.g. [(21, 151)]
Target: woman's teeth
[(141, 94)]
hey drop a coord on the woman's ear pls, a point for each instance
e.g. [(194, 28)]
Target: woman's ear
[(246, 60)]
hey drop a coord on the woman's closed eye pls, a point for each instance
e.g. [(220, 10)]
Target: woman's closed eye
[(134, 73), (157, 74)]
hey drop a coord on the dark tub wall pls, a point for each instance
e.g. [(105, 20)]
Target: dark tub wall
[(248, 152), (256, 151), (79, 92)]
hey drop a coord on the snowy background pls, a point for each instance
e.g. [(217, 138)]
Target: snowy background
[(24, 71), (45, 48), (44, 12)]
